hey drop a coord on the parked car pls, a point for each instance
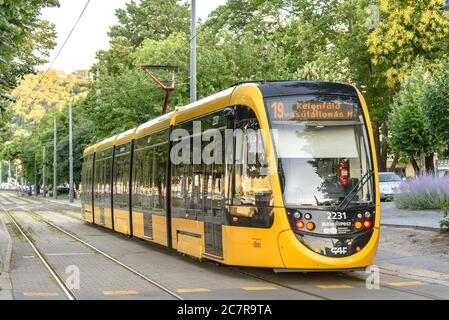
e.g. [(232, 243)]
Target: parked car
[(389, 183)]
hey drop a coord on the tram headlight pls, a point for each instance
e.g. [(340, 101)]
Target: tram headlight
[(297, 215)]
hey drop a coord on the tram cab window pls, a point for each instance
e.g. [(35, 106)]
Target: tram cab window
[(252, 198), (121, 175)]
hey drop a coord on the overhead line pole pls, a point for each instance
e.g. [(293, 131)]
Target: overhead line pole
[(71, 190), (43, 171), (55, 163), (36, 188), (193, 53)]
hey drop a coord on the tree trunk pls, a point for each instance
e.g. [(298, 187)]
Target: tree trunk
[(415, 166), (377, 141), (395, 162), (430, 164), (384, 149)]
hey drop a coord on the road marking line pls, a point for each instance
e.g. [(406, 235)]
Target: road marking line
[(28, 257), (70, 254), (186, 290), (258, 288), (334, 286), (119, 292), (405, 283), (41, 294)]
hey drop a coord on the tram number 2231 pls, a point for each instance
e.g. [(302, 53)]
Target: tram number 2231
[(336, 216)]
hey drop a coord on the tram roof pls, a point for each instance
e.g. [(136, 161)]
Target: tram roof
[(105, 144), (125, 137), (299, 87), (89, 150), (221, 99), (154, 125)]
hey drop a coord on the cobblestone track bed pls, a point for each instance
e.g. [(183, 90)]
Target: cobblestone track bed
[(297, 286), (100, 277)]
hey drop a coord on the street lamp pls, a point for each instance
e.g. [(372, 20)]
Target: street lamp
[(445, 9)]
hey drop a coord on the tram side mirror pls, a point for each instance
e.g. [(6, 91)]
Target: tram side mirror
[(229, 113)]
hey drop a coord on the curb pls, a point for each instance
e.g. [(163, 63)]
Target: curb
[(57, 202), (411, 227)]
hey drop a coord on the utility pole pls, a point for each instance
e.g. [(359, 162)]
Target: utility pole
[(36, 188), (43, 171), (71, 193), (193, 54), (98, 90), (55, 161), (9, 174), (1, 176)]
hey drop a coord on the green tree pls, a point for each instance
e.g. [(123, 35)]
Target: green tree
[(150, 19), (25, 40), (52, 92), (410, 30), (411, 135), (436, 104)]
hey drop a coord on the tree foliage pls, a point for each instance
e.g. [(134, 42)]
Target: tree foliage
[(410, 30), (25, 40), (411, 134), (348, 41), (436, 104), (150, 19)]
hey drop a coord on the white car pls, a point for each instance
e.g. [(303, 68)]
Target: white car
[(389, 183)]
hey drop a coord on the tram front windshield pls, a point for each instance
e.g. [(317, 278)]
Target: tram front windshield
[(322, 149)]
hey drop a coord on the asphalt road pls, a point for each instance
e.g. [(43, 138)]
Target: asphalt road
[(107, 265)]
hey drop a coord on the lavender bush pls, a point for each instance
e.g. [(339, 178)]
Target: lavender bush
[(424, 192)]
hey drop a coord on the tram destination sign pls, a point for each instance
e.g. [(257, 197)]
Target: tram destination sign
[(312, 110)]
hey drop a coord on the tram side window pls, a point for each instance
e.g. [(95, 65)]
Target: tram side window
[(252, 197), (121, 176), (83, 181), (87, 179), (98, 181), (104, 177), (149, 172), (198, 189)]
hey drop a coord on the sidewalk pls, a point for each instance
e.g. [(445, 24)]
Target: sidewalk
[(5, 257), (424, 219)]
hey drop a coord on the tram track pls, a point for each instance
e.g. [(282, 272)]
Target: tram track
[(54, 274), (69, 293), (246, 273)]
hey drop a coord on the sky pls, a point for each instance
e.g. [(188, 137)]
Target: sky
[(90, 34)]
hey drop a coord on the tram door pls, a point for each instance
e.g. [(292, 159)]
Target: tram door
[(213, 179)]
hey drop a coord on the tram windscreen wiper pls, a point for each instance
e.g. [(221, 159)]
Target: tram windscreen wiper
[(347, 200)]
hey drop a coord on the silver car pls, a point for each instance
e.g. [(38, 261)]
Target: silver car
[(389, 183)]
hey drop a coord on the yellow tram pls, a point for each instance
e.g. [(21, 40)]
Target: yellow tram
[(278, 174)]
